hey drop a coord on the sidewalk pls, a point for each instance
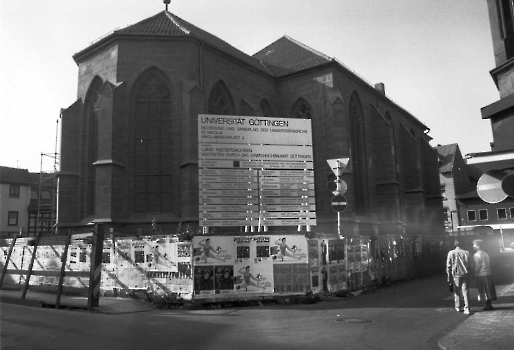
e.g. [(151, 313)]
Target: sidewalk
[(107, 305), (485, 330)]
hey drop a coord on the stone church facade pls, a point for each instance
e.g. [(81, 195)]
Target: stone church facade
[(129, 144)]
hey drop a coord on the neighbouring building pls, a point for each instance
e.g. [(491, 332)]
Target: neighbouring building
[(24, 198), (491, 211), (129, 144), (15, 188), (457, 178)]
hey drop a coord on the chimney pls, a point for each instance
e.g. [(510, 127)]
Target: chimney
[(380, 87)]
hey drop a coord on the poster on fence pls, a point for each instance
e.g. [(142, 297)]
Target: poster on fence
[(213, 250), (289, 249)]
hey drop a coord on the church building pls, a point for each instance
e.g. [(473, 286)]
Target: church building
[(129, 143)]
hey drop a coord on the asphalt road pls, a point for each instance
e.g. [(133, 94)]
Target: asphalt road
[(409, 315)]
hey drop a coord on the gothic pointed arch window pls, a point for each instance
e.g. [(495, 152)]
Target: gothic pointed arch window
[(358, 155), (301, 109), (152, 130), (220, 100), (91, 108), (265, 109)]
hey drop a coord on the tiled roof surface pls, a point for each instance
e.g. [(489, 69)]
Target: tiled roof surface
[(14, 176), (286, 56), (166, 23), (446, 157)]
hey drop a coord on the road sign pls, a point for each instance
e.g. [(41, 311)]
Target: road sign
[(489, 186), (339, 203), (337, 165)]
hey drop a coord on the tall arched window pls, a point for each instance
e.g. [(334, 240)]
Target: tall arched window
[(265, 110), (358, 156), (91, 107), (220, 100), (151, 107), (301, 109)]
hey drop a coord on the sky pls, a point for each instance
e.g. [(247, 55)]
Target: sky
[(433, 56)]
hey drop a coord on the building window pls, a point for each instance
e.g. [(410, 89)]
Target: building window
[(472, 215), (153, 143), (45, 222), (220, 100), (14, 191), (511, 212), (92, 110), (482, 214), (13, 218), (502, 214)]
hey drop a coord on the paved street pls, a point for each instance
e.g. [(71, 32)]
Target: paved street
[(413, 314)]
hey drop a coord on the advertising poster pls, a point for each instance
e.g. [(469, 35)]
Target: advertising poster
[(213, 250), (336, 275), (291, 278), (108, 275), (78, 260), (315, 259), (14, 262), (358, 255), (123, 263), (289, 249), (262, 249), (224, 278), (204, 279), (336, 251), (253, 277), (160, 255), (244, 245)]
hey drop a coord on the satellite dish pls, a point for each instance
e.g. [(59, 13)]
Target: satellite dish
[(489, 186), (508, 185)]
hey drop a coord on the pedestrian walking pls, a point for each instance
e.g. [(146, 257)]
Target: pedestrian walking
[(483, 275), (458, 270)]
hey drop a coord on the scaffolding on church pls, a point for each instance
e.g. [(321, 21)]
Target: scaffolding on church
[(46, 177)]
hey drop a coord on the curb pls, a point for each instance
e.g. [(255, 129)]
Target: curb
[(24, 302)]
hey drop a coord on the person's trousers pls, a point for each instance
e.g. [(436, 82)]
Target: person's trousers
[(461, 291)]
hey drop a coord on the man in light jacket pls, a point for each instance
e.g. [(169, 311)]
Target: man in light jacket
[(458, 270)]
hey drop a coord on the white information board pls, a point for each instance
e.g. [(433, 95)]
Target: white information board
[(255, 171)]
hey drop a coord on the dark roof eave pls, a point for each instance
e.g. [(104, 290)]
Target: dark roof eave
[(94, 47), (81, 55)]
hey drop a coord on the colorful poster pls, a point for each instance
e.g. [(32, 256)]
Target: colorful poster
[(315, 259), (336, 277), (289, 249), (204, 279), (253, 277), (291, 278), (224, 278), (213, 250)]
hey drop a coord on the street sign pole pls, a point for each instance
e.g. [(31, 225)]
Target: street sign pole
[(337, 166), (338, 177)]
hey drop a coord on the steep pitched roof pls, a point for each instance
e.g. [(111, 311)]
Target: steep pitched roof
[(167, 24), (286, 56), (14, 176), (446, 157)]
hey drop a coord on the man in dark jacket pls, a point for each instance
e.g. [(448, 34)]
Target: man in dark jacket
[(458, 270)]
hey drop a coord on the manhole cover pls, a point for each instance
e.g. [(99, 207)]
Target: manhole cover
[(353, 320)]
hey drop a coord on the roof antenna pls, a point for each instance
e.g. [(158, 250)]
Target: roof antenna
[(167, 3)]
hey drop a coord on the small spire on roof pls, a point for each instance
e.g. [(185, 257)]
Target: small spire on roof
[(166, 2)]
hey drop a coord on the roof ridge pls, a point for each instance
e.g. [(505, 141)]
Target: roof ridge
[(171, 16), (308, 48)]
